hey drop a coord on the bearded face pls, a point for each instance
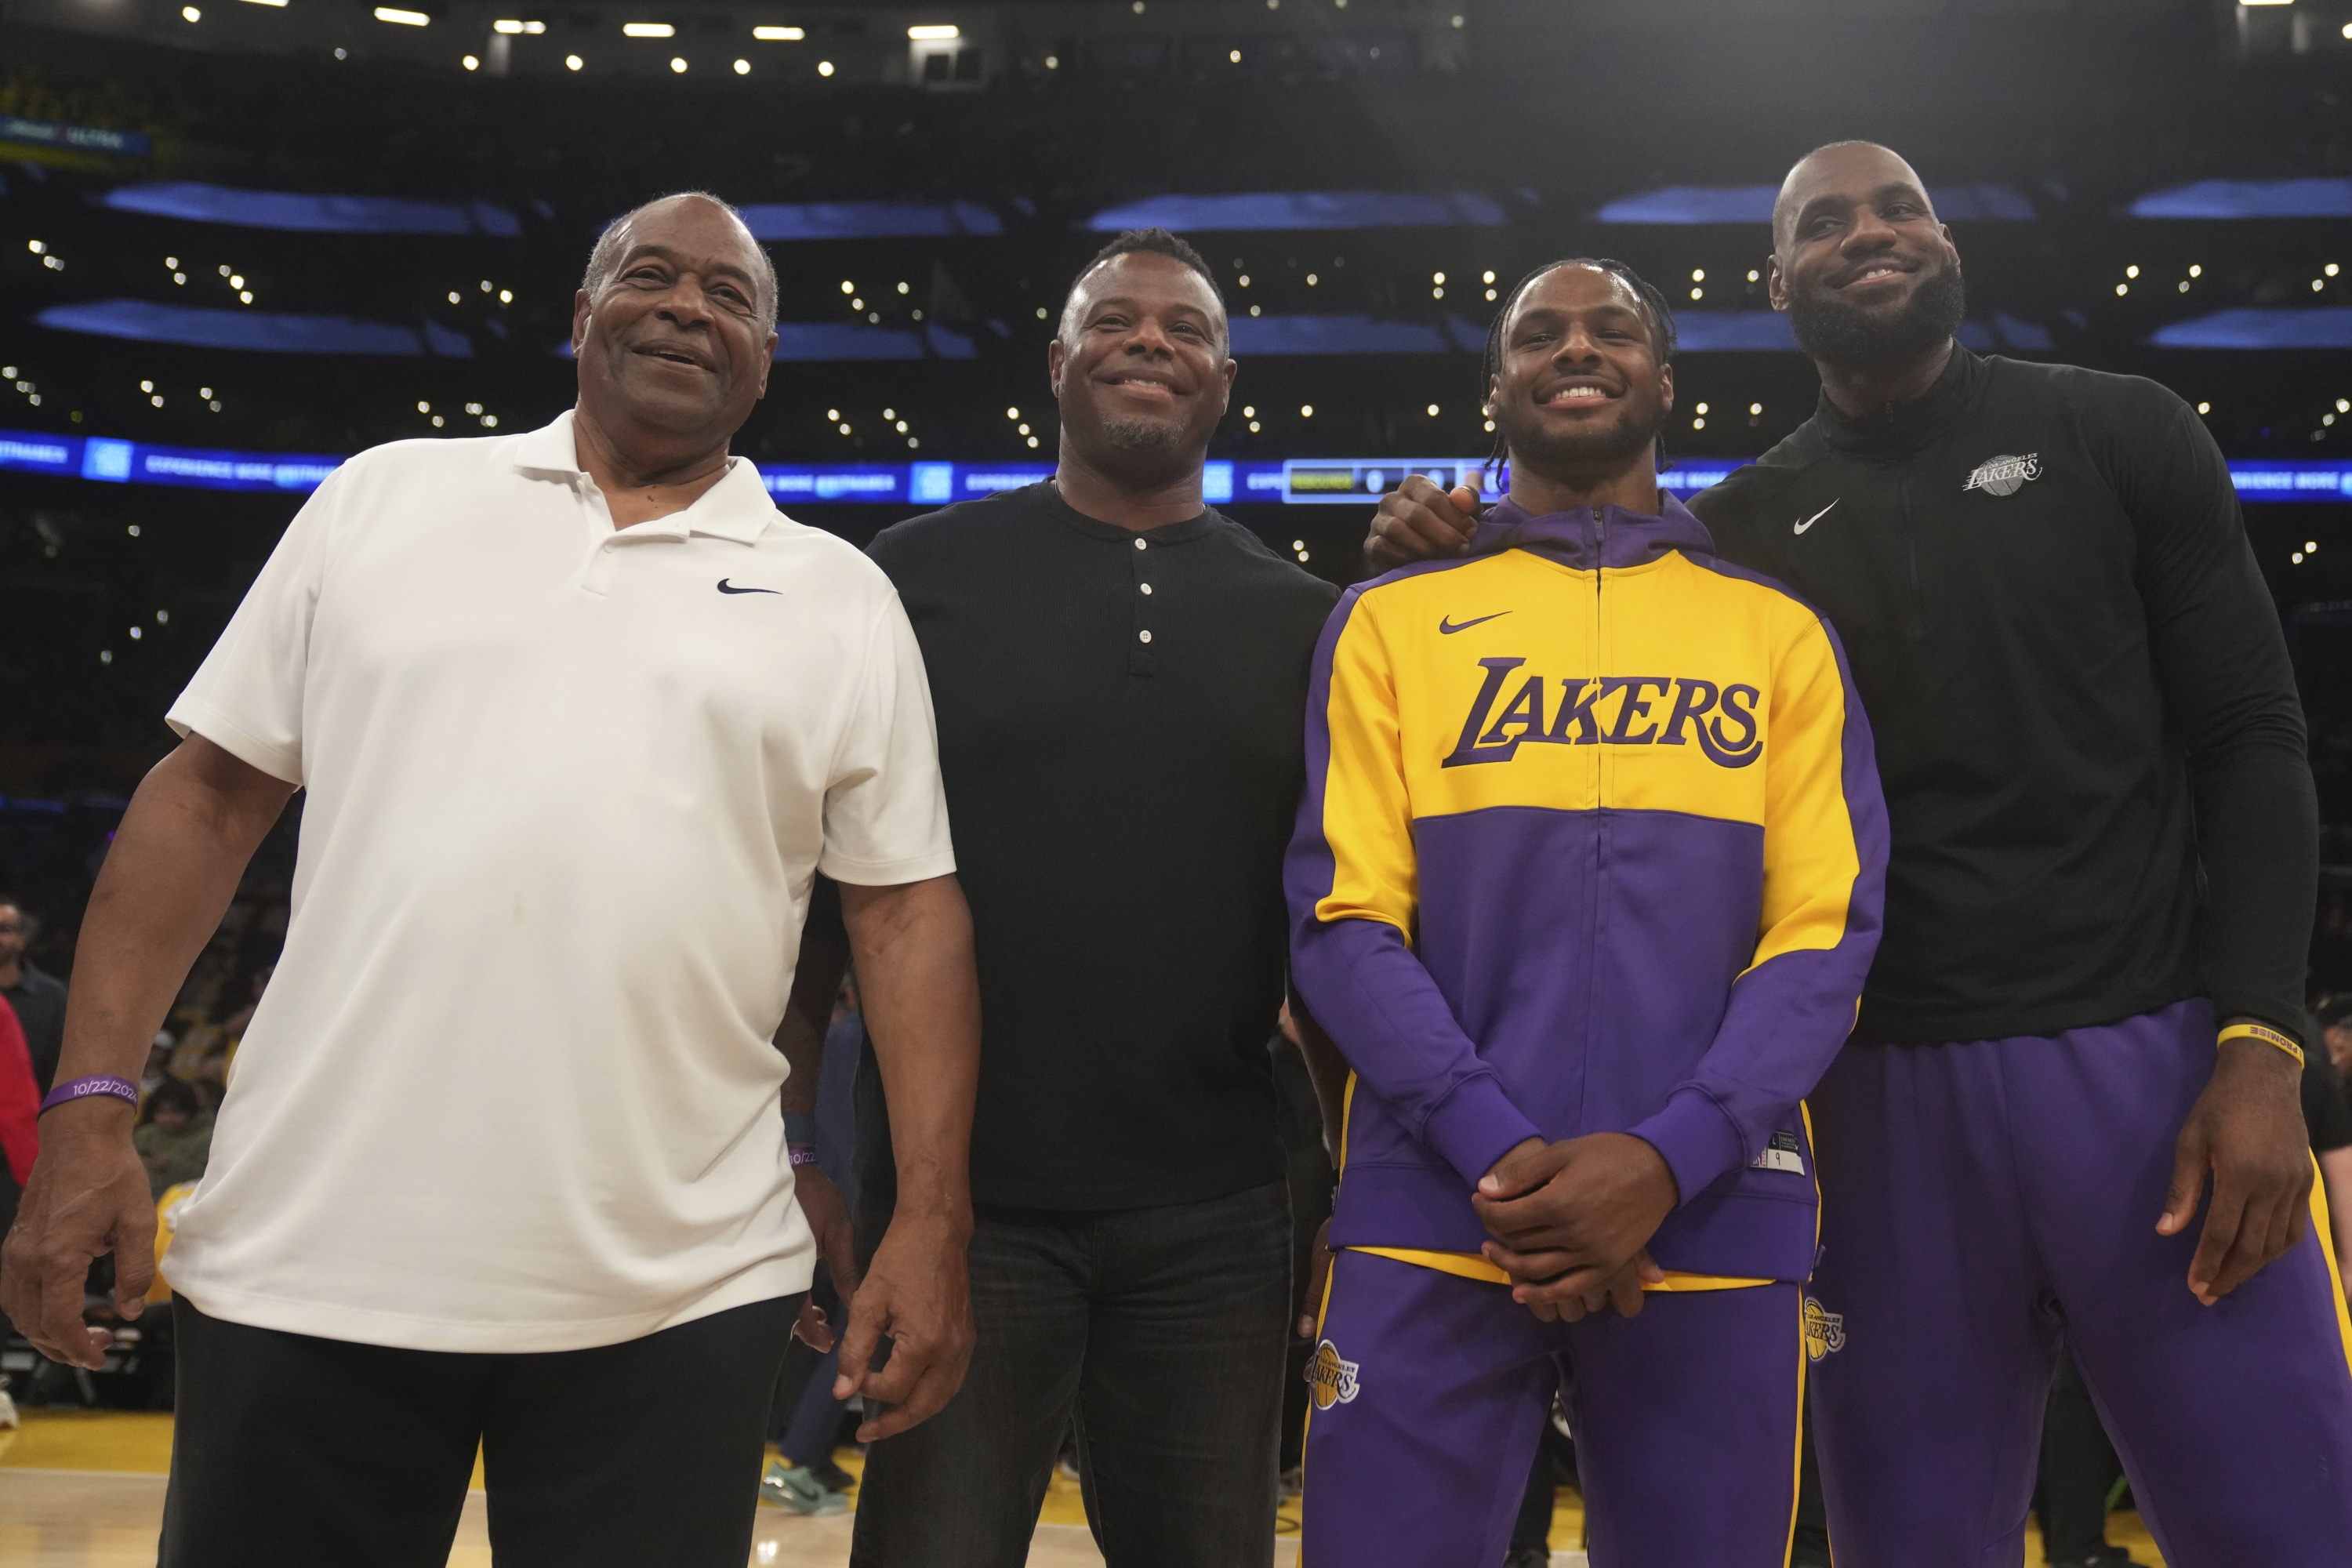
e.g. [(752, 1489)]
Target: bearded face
[(1877, 336)]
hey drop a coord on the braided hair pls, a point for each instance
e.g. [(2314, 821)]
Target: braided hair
[(1662, 330)]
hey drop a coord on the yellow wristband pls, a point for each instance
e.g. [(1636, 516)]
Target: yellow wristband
[(2263, 1033)]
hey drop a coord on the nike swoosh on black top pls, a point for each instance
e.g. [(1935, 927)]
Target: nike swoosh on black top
[(1447, 627), (727, 587), (1816, 517)]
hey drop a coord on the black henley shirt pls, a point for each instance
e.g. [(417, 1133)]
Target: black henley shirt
[(1121, 720), (2086, 723)]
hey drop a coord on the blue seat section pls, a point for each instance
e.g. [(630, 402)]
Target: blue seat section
[(868, 220), (1275, 335), (1693, 204), (1733, 331), (1302, 210), (2249, 198), (265, 332), (2254, 328), (1753, 203), (299, 212)]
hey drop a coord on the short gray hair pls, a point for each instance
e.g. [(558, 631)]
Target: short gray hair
[(606, 258)]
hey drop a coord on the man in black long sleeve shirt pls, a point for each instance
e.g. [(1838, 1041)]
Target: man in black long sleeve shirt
[(2103, 861)]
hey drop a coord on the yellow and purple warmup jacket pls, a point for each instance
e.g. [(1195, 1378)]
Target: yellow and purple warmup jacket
[(1592, 842)]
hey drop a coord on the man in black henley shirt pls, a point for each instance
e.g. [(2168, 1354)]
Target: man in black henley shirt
[(1119, 675)]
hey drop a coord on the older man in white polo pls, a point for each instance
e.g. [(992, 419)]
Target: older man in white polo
[(580, 716)]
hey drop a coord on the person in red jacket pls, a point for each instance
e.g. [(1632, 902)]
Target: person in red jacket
[(20, 1103)]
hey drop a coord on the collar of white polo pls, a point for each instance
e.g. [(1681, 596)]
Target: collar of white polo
[(738, 506)]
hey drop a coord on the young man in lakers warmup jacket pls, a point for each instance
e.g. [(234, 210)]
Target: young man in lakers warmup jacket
[(1586, 881)]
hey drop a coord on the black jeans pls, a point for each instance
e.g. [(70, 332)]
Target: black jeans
[(1162, 1331), (296, 1450)]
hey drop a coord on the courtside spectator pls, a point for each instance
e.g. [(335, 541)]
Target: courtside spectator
[(19, 1105), (19, 1141), (2334, 1014), (38, 996), (2327, 1113), (174, 1137)]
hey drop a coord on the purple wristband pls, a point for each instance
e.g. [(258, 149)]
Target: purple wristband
[(83, 1088), (802, 1154)]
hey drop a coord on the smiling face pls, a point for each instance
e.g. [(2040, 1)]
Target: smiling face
[(1578, 387), (676, 344), (1140, 367), (1868, 277)]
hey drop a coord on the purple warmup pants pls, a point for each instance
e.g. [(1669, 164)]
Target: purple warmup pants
[(1978, 1199), (1431, 1390)]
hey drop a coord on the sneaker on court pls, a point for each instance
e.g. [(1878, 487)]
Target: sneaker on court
[(1529, 1557), (7, 1407), (787, 1486), (2105, 1557), (832, 1477)]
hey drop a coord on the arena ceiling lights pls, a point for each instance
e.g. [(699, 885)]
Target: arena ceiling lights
[(647, 30), (513, 28), (402, 18), (780, 35)]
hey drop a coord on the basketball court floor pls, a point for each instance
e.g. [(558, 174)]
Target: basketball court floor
[(85, 1490)]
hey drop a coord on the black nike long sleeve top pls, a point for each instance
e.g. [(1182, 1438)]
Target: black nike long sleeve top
[(2087, 721)]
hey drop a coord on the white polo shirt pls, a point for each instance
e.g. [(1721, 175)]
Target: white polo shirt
[(512, 1086)]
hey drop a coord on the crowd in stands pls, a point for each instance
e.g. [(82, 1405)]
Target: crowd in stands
[(187, 1074)]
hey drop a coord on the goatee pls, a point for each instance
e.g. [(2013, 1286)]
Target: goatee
[(1143, 434), (1835, 332)]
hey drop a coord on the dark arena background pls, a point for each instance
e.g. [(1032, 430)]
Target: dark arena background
[(242, 239)]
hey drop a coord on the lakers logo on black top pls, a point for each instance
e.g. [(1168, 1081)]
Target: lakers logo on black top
[(2004, 475)]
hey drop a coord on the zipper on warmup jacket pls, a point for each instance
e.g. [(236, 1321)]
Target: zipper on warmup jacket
[(1591, 988)]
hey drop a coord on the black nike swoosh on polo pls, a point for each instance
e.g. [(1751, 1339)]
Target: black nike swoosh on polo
[(727, 587), (1446, 628)]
